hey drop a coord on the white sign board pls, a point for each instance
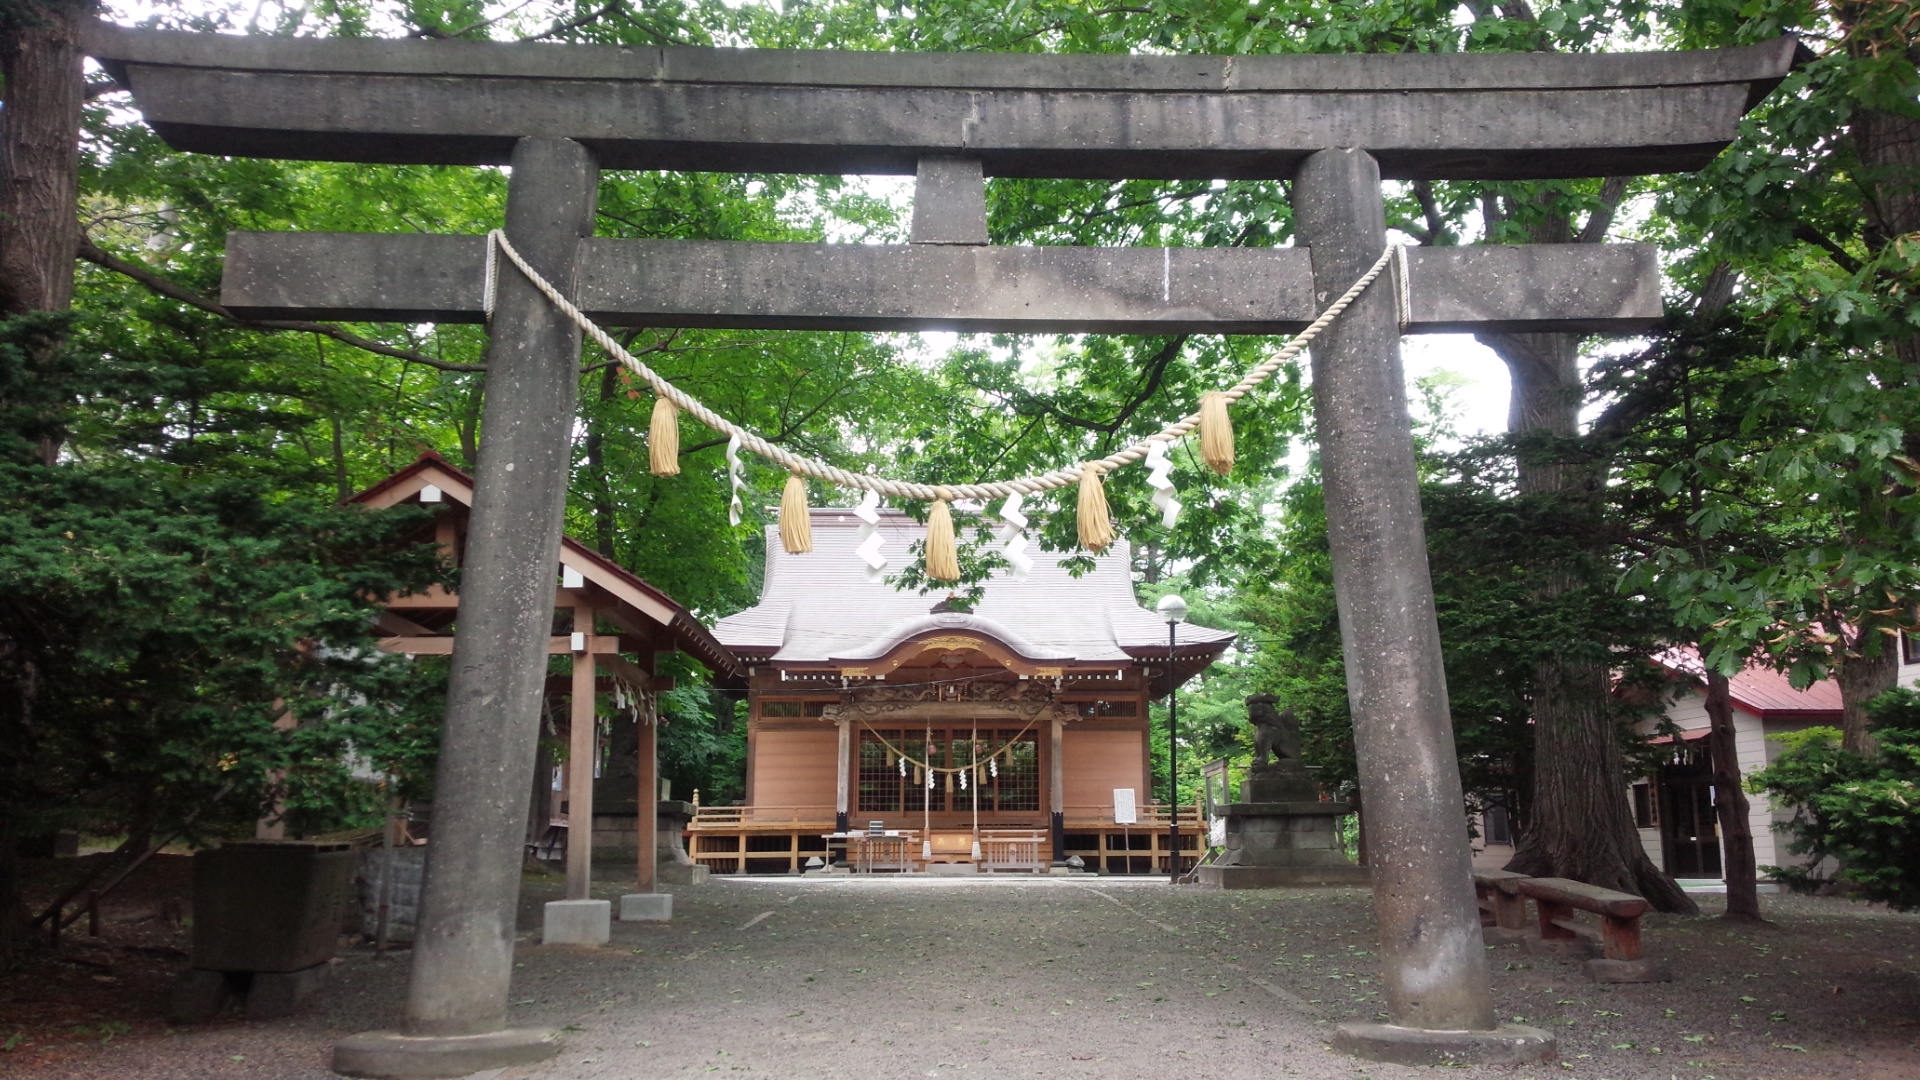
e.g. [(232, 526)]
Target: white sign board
[(1124, 812)]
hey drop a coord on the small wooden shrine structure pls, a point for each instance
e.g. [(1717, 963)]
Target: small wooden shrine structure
[(855, 687), (612, 625)]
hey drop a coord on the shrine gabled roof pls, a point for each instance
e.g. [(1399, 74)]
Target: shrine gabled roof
[(674, 623), (819, 608)]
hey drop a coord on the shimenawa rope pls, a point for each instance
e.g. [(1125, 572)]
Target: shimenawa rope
[(905, 489)]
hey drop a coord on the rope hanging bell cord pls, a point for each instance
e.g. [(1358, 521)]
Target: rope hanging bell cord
[(497, 242), (1006, 749)]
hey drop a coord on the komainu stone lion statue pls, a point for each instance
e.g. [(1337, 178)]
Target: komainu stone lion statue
[(1276, 734)]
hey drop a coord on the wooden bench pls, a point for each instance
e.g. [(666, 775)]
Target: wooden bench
[(1556, 899), (1501, 905)]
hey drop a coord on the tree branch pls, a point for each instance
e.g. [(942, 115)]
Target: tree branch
[(1806, 233), (559, 27), (1430, 209), (435, 32), (1612, 190), (98, 256)]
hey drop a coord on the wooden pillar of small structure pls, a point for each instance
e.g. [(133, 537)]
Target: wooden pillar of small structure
[(581, 751), (843, 787), (647, 798), (1057, 785)]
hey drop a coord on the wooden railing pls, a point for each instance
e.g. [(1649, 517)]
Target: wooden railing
[(1140, 847), (739, 817), (780, 839)]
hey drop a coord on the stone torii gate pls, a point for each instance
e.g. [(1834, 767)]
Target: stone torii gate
[(1334, 125)]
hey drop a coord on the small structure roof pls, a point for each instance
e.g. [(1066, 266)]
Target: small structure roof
[(637, 607), (820, 610), (1761, 691)]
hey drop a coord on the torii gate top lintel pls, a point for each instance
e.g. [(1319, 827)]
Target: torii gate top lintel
[(1433, 116)]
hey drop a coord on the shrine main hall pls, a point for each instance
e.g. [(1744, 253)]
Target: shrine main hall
[(1022, 723)]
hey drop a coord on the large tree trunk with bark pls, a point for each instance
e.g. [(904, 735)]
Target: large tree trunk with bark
[(1580, 825), (1863, 678), (39, 229), (1577, 822), (40, 152), (1742, 874)]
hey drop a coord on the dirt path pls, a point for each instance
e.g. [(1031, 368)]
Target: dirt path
[(1095, 977)]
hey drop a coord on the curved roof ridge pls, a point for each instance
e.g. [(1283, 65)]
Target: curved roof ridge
[(949, 622)]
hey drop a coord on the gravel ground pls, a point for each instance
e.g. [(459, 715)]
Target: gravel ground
[(1097, 977)]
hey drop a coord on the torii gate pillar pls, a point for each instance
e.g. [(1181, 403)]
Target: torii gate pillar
[(1434, 960), (455, 1021)]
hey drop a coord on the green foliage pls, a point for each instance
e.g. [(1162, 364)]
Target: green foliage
[(160, 613), (1862, 811)]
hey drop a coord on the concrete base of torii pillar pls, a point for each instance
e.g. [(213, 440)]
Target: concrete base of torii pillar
[(390, 1055)]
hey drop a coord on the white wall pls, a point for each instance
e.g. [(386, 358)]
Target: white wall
[(1689, 713)]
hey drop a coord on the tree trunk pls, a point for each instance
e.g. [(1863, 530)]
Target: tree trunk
[(1577, 822), (39, 166), (43, 90), (1863, 678), (40, 153), (1580, 825), (1730, 804)]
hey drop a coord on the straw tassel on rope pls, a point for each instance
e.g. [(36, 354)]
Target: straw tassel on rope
[(1216, 432), (663, 438), (943, 557), (1096, 527), (796, 526)]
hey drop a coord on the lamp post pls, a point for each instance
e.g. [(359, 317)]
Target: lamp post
[(1174, 610)]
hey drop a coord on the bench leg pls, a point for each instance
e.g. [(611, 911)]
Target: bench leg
[(1509, 911), (1620, 938), (1555, 939)]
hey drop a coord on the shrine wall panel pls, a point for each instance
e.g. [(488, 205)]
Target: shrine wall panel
[(795, 766), (1097, 761)]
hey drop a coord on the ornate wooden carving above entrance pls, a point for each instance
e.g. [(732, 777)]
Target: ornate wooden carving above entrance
[(872, 712)]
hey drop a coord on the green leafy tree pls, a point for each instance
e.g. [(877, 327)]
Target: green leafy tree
[(1861, 810)]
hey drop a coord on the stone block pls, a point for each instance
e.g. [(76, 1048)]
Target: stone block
[(676, 873), (269, 905), (1628, 971), (198, 996), (1508, 1044), (955, 869), (403, 902), (389, 1055), (273, 994), (646, 907), (577, 922)]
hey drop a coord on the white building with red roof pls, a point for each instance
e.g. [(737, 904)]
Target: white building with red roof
[(1674, 807)]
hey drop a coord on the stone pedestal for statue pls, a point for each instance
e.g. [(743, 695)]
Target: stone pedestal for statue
[(1280, 833), (675, 866), (616, 840)]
